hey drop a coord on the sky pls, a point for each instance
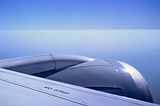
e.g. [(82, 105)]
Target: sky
[(79, 14), (124, 30)]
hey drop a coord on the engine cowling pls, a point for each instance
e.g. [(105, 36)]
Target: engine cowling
[(100, 74), (108, 76)]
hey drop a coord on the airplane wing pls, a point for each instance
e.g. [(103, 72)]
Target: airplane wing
[(17, 89)]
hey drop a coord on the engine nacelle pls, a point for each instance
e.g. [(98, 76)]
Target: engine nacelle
[(100, 74), (108, 76)]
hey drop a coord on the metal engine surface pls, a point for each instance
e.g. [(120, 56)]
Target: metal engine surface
[(100, 74)]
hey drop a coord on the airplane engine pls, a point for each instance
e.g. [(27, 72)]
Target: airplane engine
[(108, 76), (99, 74)]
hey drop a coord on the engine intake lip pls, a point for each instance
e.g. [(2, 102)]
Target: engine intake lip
[(135, 82)]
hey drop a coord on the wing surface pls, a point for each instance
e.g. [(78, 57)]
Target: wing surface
[(17, 89)]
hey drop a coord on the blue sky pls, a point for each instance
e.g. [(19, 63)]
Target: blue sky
[(79, 14), (124, 30)]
